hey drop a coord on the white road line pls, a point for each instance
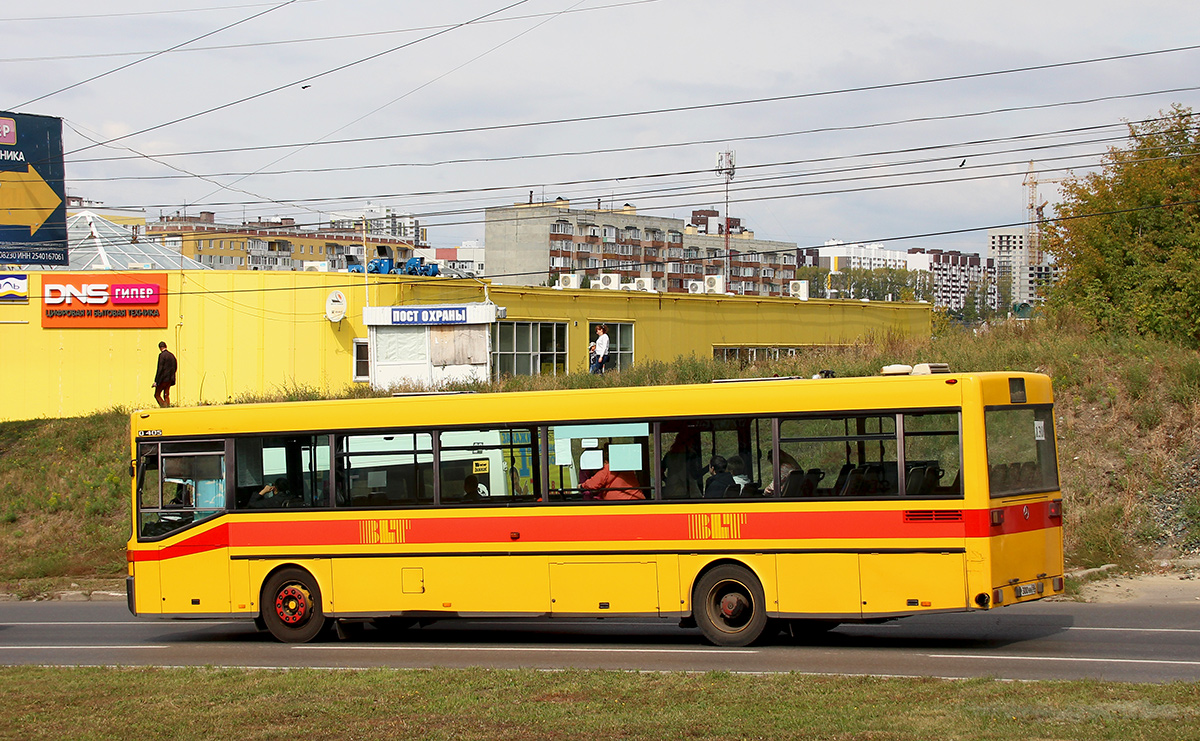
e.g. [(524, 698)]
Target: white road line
[(1143, 630), (993, 657), (532, 649), (74, 648)]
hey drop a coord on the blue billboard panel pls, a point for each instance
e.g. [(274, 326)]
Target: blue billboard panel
[(33, 194)]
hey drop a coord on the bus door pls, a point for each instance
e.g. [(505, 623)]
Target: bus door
[(182, 487)]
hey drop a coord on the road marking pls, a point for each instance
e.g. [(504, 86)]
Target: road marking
[(73, 648), (1144, 630), (532, 649), (993, 657)]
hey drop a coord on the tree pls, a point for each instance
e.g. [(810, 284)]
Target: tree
[(1127, 238)]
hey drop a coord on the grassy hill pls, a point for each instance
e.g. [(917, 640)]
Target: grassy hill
[(1127, 424)]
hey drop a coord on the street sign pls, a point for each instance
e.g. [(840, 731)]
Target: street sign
[(33, 201)]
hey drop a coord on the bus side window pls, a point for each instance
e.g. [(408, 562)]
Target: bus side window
[(932, 458), (384, 470), (844, 456), (489, 466), (282, 472), (601, 462)]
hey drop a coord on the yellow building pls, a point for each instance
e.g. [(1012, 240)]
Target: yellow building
[(77, 342)]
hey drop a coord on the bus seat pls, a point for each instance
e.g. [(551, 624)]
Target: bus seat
[(808, 487), (933, 474), (914, 481), (792, 484), (733, 491), (1029, 475), (854, 483), (840, 484)]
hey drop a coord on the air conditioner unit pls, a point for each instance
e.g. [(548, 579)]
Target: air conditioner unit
[(695, 286), (568, 281), (611, 281), (644, 284), (628, 287), (714, 284), (798, 289)]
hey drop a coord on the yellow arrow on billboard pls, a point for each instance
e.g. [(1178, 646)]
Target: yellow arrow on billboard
[(26, 199)]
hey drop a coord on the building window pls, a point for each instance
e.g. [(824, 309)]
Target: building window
[(529, 349), (620, 344), (362, 360)]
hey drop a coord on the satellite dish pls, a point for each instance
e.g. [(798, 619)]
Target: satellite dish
[(335, 306)]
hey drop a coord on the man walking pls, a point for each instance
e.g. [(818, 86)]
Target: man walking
[(164, 379)]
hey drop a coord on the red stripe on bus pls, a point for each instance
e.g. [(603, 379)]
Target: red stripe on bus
[(393, 528)]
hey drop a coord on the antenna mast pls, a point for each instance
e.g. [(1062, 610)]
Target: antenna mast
[(725, 168)]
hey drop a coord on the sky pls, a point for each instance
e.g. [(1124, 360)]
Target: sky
[(911, 124)]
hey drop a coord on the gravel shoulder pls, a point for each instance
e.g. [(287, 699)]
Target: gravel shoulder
[(1178, 584)]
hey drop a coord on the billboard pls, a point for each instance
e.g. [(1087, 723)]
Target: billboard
[(33, 209), (104, 300)]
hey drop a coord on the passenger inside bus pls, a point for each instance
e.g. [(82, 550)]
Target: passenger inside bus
[(611, 485), (720, 480), (473, 491), (787, 464), (683, 467), (271, 495)]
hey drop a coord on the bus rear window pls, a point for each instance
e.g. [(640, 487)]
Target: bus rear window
[(1020, 450)]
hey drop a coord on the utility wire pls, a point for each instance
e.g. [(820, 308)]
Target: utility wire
[(128, 14), (656, 111), (156, 54), (397, 99), (653, 176), (309, 78), (284, 42), (358, 282), (614, 150)]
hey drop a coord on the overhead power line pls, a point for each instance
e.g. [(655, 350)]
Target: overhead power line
[(633, 114), (281, 42), (93, 78), (611, 150), (302, 80)]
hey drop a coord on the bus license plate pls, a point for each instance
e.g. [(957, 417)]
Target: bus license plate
[(1026, 590)]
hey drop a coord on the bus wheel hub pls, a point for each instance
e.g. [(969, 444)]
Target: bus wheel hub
[(732, 605), (291, 604)]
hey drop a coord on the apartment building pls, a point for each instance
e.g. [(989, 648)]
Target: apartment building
[(278, 244), (533, 243)]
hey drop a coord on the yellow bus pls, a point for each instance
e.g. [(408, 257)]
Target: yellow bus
[(742, 508)]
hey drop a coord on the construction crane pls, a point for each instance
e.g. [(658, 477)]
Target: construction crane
[(1033, 212)]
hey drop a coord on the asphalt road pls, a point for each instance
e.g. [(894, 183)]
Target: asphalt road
[(1048, 640)]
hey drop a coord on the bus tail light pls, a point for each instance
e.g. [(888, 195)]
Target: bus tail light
[(1057, 583), (997, 517), (1056, 509), (998, 596)]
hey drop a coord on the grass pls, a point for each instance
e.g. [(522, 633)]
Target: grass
[(522, 705), (1127, 409)]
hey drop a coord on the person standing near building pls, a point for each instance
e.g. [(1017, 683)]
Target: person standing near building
[(601, 349), (164, 379)]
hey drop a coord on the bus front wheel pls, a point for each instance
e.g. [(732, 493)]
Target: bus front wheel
[(729, 606), (291, 606)]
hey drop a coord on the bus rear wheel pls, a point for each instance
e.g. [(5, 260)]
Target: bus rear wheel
[(729, 606), (291, 606)]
